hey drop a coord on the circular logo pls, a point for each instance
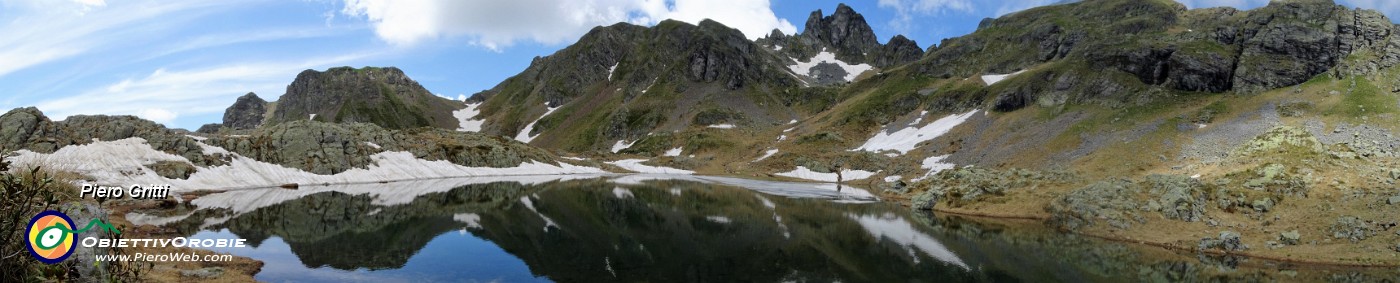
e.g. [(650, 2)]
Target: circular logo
[(49, 237)]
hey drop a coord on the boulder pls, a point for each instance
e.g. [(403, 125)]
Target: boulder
[(1106, 201), (1350, 228), (926, 200), (1227, 241), (1290, 237)]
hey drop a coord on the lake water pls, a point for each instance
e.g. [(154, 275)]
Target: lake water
[(666, 229)]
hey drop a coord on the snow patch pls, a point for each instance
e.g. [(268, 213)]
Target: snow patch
[(891, 179), (531, 205), (622, 193), (767, 154), (465, 123), (673, 152), (900, 231), (621, 145), (907, 139), (848, 175), (722, 126), (636, 165), (524, 135), (611, 69), (935, 164), (374, 145), (805, 68), (995, 78), (718, 219), (472, 220)]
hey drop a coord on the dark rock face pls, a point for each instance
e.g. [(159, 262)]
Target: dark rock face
[(382, 96), (246, 112), (849, 36), (209, 128), (899, 50), (845, 31)]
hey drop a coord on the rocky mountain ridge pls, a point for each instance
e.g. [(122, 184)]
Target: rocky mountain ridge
[(382, 96)]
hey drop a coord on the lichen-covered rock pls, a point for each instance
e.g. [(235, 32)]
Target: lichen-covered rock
[(1290, 237), (926, 200), (172, 169), (1112, 201), (1179, 197), (330, 148), (1227, 241), (1350, 228), (966, 185)]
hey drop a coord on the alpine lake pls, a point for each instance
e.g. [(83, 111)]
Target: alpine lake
[(668, 228)]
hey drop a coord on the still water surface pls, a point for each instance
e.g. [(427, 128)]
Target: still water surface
[(666, 229)]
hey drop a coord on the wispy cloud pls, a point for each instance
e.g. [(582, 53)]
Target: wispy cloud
[(498, 24), (44, 31), (164, 94), (244, 37), (907, 10)]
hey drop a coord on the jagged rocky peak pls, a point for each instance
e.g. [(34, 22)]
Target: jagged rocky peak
[(246, 112), (383, 96), (847, 35), (845, 30)]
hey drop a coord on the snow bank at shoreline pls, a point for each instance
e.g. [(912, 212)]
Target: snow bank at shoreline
[(123, 163)]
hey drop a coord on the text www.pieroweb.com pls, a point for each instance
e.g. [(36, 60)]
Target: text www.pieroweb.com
[(164, 257)]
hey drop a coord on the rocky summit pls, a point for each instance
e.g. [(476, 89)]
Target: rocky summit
[(247, 112), (381, 96)]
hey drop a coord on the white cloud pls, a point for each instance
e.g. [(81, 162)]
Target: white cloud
[(159, 115), (188, 91), (499, 24), (906, 10)]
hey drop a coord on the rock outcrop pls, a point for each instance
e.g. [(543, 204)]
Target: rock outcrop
[(246, 112), (29, 129), (330, 148)]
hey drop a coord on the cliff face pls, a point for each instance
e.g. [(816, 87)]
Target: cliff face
[(246, 113), (382, 96)]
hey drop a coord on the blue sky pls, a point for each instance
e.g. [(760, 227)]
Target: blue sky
[(181, 63)]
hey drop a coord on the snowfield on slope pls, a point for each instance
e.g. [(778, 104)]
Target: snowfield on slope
[(636, 165), (464, 118), (524, 135), (122, 162), (995, 78), (805, 68), (847, 174), (907, 139)]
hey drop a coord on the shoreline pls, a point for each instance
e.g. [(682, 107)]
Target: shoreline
[(1162, 245)]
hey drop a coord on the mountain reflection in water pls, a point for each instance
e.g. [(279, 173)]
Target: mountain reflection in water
[(650, 228)]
